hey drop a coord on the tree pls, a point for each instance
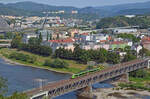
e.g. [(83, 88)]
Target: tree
[(84, 58), (113, 58), (9, 35), (40, 38), (17, 95), (127, 48), (129, 57), (34, 41), (139, 73), (50, 37), (47, 36), (16, 41), (3, 86), (57, 63), (129, 36), (102, 53), (77, 52), (144, 52)]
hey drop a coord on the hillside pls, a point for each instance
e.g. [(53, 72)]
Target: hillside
[(35, 9), (31, 6), (144, 11), (32, 9), (135, 8), (121, 21)]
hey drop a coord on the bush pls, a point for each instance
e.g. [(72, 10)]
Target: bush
[(47, 63), (22, 57), (139, 74), (57, 63)]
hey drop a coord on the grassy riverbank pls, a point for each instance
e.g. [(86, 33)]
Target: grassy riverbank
[(136, 83), (73, 67)]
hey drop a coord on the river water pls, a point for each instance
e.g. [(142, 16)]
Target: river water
[(21, 78)]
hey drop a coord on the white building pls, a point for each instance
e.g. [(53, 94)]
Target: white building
[(137, 48), (118, 31), (130, 16), (100, 37)]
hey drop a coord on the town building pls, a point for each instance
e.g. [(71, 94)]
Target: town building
[(46, 34), (64, 43), (27, 36), (118, 31)]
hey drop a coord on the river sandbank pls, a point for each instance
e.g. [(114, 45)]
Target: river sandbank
[(112, 93)]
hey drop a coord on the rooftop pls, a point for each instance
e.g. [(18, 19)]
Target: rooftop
[(69, 40)]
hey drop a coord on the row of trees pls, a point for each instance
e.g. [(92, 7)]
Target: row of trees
[(129, 36), (84, 56), (34, 46), (36, 49)]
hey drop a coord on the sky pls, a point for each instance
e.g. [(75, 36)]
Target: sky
[(78, 3)]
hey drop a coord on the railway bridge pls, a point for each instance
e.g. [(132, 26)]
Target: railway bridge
[(61, 87)]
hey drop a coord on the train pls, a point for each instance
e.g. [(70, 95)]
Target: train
[(86, 72)]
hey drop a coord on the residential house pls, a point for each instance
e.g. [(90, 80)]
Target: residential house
[(64, 43), (137, 48), (146, 42), (46, 34)]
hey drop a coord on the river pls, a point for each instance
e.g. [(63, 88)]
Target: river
[(21, 78)]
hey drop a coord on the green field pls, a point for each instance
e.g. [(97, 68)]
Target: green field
[(74, 67)]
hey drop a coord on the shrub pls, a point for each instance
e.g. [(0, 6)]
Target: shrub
[(22, 57), (57, 63), (47, 62)]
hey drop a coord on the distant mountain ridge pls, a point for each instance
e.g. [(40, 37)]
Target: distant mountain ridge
[(31, 9), (122, 9)]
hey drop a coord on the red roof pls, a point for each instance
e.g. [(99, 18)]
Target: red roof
[(103, 40), (69, 40), (117, 42), (85, 34), (146, 39), (109, 38)]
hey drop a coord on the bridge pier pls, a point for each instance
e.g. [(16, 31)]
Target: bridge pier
[(85, 93), (124, 78)]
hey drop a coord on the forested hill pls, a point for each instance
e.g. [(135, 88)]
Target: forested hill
[(121, 21), (35, 9), (32, 9), (31, 6)]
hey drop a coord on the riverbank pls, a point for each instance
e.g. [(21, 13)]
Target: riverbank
[(113, 93), (17, 63), (73, 66)]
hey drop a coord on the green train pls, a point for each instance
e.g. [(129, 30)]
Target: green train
[(86, 72)]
